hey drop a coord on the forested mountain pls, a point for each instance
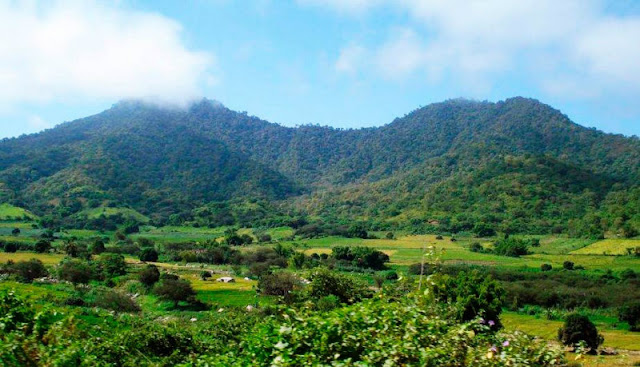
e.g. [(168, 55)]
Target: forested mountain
[(516, 165)]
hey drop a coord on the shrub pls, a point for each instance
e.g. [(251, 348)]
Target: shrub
[(205, 275), (378, 280), (116, 301), (546, 267), (264, 237), (280, 284), (348, 290), (327, 303), (511, 247), (149, 275), (14, 312), (97, 247), (149, 254), (390, 236), (439, 237), (175, 291), (360, 256), (113, 264), (627, 274), (10, 247), (567, 265), (27, 271), (75, 271), (392, 275), (472, 293), (579, 328), (42, 246), (630, 314), (476, 247), (15, 231), (484, 230)]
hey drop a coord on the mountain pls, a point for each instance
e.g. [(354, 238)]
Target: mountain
[(516, 165)]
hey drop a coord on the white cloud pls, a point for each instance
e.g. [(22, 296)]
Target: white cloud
[(350, 59), (74, 50), (344, 6), (569, 46)]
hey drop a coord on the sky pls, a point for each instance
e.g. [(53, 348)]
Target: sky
[(343, 63)]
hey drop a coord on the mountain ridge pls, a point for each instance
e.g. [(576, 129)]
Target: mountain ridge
[(170, 160)]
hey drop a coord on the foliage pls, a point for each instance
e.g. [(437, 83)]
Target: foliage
[(26, 271), (511, 246), (115, 300), (42, 246), (473, 294), (347, 289), (149, 254), (113, 264), (174, 290), (360, 256), (579, 328), (75, 271), (630, 314), (149, 275), (280, 284)]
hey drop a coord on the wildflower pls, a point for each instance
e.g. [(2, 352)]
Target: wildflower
[(490, 355), (505, 343), (491, 323), (493, 349)]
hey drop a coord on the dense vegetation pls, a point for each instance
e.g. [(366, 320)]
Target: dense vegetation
[(516, 166)]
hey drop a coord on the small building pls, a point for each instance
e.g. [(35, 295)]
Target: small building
[(226, 280)]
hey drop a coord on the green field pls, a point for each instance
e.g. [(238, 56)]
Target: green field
[(10, 212)]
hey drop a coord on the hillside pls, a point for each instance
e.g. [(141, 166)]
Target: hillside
[(516, 165)]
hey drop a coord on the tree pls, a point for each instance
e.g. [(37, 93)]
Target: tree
[(10, 247), (15, 231), (27, 271), (579, 328), (75, 271), (389, 236), (149, 275), (483, 230), (149, 254), (97, 247), (174, 290), (630, 314), (71, 249), (568, 265), (113, 264), (546, 267), (349, 290), (42, 246), (511, 247), (278, 284)]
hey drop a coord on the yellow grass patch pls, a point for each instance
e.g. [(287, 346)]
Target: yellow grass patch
[(47, 259), (611, 246)]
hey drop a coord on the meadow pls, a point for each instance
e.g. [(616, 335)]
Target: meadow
[(595, 259)]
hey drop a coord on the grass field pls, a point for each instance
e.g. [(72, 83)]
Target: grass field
[(608, 247), (548, 329), (106, 211), (47, 259), (10, 212)]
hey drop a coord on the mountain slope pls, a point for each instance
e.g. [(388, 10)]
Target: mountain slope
[(516, 160)]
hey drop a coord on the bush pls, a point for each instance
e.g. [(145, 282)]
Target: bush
[(472, 293), (205, 275), (546, 267), (579, 328), (75, 271), (390, 236), (360, 256), (149, 275), (567, 265), (348, 290), (476, 247), (97, 247), (149, 254), (113, 264), (10, 247), (630, 314), (175, 291), (42, 246), (116, 301), (27, 271), (280, 284), (484, 230), (392, 275), (327, 303), (511, 247)]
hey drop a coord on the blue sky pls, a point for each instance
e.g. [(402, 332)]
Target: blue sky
[(344, 63)]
